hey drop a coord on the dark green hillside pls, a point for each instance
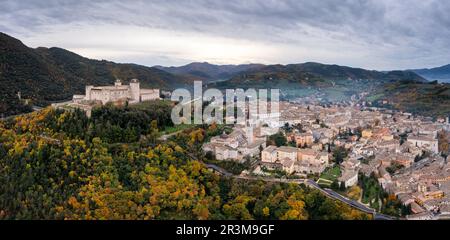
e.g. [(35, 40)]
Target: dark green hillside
[(440, 73), (313, 75), (104, 72), (45, 75), (210, 72), (274, 76), (429, 99)]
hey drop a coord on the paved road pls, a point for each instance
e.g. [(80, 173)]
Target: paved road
[(167, 136), (219, 170), (35, 109), (310, 183)]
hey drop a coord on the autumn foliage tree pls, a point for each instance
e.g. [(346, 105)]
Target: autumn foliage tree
[(61, 165)]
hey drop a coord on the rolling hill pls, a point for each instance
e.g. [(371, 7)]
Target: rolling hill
[(209, 72), (441, 74), (44, 75), (313, 74), (428, 99)]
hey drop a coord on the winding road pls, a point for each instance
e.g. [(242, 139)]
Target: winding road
[(310, 183), (167, 136), (35, 109)]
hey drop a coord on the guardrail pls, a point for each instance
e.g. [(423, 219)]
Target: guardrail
[(328, 192)]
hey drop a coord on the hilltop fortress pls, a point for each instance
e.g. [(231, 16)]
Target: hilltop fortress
[(119, 92), (116, 94)]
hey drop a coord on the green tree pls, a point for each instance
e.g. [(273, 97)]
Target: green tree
[(277, 139)]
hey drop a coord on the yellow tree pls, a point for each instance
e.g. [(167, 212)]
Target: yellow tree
[(296, 211)]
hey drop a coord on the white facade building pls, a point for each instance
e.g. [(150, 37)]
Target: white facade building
[(426, 142), (235, 146), (131, 93), (349, 178)]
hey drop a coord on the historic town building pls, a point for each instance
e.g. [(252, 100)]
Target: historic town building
[(119, 92)]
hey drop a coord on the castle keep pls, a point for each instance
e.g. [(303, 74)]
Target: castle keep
[(119, 92)]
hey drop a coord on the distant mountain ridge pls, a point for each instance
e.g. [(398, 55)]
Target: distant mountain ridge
[(427, 99), (314, 74), (44, 75), (53, 74), (210, 72), (439, 73)]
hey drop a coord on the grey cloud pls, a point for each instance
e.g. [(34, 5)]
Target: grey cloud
[(417, 28)]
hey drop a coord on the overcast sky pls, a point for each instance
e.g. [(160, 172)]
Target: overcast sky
[(374, 34)]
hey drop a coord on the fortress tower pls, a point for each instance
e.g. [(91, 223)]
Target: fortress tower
[(88, 92), (249, 132), (135, 90)]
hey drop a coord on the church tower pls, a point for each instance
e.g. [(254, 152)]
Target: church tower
[(135, 90), (250, 134)]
